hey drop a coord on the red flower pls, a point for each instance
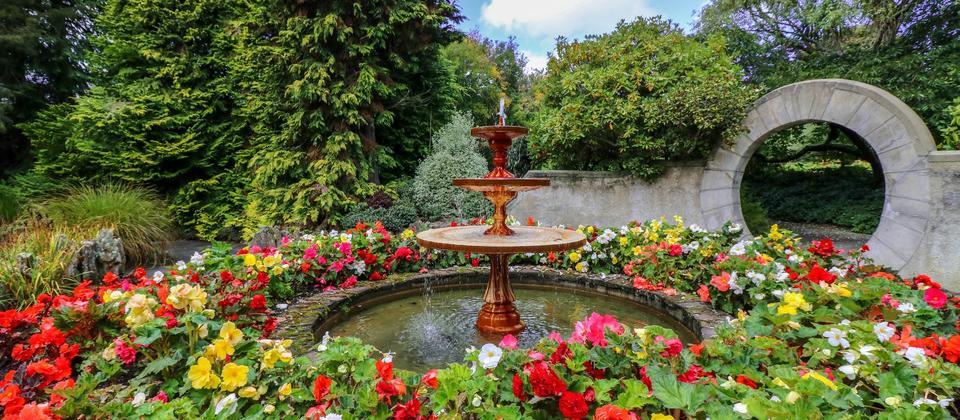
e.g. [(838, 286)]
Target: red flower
[(572, 405), (823, 247), (321, 387), (268, 327), (304, 267), (594, 373), (258, 302), (691, 375), (518, 387), (561, 354), (544, 381), (475, 262), (697, 349), (430, 379), (642, 373), (935, 298), (410, 410), (349, 282), (741, 379), (125, 353), (817, 275), (226, 276), (721, 282), (673, 346), (704, 293), (675, 250), (612, 412), (376, 276), (140, 273), (951, 349)]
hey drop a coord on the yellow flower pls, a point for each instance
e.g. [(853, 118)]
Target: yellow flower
[(269, 408), (581, 267), (821, 378), (278, 270), (574, 256), (791, 302), (775, 234), (185, 295), (614, 259), (139, 310), (220, 349), (637, 250), (839, 289), (793, 396), (231, 333), (110, 296), (271, 260), (779, 382), (786, 309), (234, 376), (201, 375), (203, 331), (249, 260), (623, 241), (285, 391), (407, 234), (590, 229), (658, 416), (274, 355), (109, 353), (249, 392)]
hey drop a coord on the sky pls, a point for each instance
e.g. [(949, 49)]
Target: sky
[(537, 23)]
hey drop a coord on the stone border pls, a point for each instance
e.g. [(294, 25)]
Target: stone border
[(894, 131), (301, 319)]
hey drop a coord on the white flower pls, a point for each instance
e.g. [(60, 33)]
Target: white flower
[(359, 266), (696, 228), (332, 416), (692, 246), (489, 356), (734, 228), (850, 356), (906, 307), (794, 258), (476, 400), (759, 296), (945, 402), (755, 277), (387, 357), (139, 399), (738, 248), (734, 286), (228, 403), (836, 337), (158, 276), (915, 355), (839, 272), (181, 266), (845, 322), (884, 331), (196, 259), (308, 237), (867, 351), (848, 370), (587, 247), (775, 398), (282, 306), (778, 293), (740, 408), (923, 401)]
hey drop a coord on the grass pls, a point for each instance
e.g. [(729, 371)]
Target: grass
[(33, 260), (9, 204), (137, 215)]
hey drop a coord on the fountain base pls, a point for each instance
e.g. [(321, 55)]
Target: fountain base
[(499, 315)]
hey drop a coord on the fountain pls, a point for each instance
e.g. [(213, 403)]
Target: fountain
[(499, 315)]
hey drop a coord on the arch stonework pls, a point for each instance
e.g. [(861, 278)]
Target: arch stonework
[(895, 132)]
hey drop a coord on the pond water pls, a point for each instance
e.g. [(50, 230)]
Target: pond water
[(430, 330)]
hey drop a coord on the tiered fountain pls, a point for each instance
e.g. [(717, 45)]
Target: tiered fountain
[(499, 315)]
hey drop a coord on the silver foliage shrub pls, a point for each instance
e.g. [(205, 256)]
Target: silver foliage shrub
[(454, 154)]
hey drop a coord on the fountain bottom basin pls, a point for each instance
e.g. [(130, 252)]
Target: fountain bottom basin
[(431, 325)]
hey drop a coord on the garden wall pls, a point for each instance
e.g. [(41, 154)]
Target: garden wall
[(611, 199)]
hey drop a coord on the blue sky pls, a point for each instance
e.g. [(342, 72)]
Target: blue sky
[(536, 23)]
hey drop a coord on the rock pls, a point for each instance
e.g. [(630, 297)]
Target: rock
[(268, 237), (95, 258)]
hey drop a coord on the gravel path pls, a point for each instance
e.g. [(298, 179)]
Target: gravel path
[(841, 237)]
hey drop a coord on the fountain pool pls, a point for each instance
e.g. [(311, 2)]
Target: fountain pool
[(430, 329)]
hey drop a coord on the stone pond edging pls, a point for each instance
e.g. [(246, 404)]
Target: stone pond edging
[(301, 318)]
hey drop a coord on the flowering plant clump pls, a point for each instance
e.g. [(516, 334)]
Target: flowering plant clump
[(814, 332)]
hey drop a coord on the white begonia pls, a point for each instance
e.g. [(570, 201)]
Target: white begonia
[(848, 370), (839, 272), (755, 277), (139, 399), (158, 276), (196, 259), (181, 265), (740, 408), (945, 402), (308, 237), (906, 307), (587, 247), (837, 337), (489, 356), (227, 405), (794, 258), (759, 296), (851, 356), (332, 416), (867, 351), (884, 331), (778, 293), (477, 400), (734, 228), (738, 248), (387, 357), (924, 401), (735, 287), (696, 228), (359, 266), (915, 355)]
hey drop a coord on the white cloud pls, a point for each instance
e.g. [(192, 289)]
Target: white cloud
[(534, 61), (561, 17)]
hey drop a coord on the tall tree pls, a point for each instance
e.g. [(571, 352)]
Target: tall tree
[(41, 44)]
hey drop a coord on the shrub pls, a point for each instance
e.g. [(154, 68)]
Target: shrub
[(634, 98), (753, 213), (137, 215), (454, 155), (9, 203), (951, 133), (33, 260)]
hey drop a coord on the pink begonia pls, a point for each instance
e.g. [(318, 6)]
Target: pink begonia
[(336, 267), (509, 342), (593, 328), (310, 253), (555, 336), (535, 355)]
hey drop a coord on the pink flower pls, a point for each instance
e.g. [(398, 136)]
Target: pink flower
[(336, 267), (509, 342), (285, 240), (704, 293), (535, 355), (349, 282), (310, 253), (125, 353), (721, 282), (593, 328), (935, 298), (673, 346), (555, 336)]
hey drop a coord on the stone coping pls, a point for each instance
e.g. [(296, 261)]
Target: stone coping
[(301, 319)]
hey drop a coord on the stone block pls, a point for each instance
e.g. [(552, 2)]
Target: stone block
[(714, 199), (843, 105), (869, 118)]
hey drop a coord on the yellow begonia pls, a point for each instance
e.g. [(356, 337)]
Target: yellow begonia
[(234, 376), (272, 260), (839, 289), (775, 234), (407, 234), (111, 296), (285, 391), (220, 349), (277, 270), (201, 375), (231, 333), (139, 310), (590, 229), (623, 241), (637, 250), (791, 302), (184, 296), (249, 392), (249, 260), (821, 378), (574, 257), (277, 354), (658, 416)]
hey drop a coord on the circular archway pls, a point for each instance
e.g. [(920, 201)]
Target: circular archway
[(895, 132)]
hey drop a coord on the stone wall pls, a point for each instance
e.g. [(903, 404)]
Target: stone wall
[(611, 199), (939, 252)]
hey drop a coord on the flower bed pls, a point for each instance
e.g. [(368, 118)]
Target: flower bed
[(813, 332)]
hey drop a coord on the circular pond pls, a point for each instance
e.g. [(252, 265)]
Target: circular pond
[(427, 329)]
